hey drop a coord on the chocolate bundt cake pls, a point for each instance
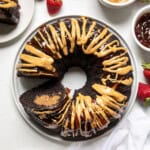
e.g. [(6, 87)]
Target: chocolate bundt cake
[(96, 107), (9, 12)]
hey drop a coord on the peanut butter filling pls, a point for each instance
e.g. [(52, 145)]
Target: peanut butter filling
[(57, 115), (8, 4), (46, 100)]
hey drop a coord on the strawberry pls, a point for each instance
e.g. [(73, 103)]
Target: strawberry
[(144, 93), (146, 71), (54, 6)]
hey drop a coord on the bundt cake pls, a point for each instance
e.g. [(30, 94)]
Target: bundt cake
[(9, 12), (96, 107)]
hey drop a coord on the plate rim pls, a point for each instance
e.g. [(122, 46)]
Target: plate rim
[(15, 35), (133, 89)]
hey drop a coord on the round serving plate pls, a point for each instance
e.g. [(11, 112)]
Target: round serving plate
[(10, 32), (19, 85)]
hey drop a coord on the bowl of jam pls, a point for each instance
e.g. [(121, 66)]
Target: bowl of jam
[(141, 28)]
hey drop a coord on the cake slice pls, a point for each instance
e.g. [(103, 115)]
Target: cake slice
[(47, 104), (9, 12)]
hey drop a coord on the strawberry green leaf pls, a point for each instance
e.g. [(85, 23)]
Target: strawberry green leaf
[(145, 0), (146, 66), (147, 102)]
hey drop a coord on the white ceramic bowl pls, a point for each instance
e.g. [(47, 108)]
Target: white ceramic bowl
[(109, 4), (141, 12)]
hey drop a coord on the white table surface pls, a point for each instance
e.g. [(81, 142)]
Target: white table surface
[(15, 134)]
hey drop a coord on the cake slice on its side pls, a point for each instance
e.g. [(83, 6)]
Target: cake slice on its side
[(9, 12)]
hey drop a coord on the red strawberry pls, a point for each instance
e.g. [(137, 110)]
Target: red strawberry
[(146, 71), (54, 6), (144, 93)]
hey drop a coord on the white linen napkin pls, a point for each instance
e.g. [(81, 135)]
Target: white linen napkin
[(131, 134)]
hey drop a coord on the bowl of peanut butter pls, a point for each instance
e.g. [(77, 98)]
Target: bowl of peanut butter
[(116, 3)]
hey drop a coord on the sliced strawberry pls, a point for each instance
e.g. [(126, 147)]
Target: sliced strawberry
[(54, 6), (144, 93)]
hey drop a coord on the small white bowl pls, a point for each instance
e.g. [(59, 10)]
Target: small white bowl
[(140, 13), (110, 4)]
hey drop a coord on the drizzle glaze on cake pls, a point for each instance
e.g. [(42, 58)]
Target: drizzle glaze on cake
[(96, 107), (9, 12), (7, 4)]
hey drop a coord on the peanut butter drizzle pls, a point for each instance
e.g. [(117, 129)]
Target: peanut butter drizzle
[(37, 73), (109, 48), (66, 127), (27, 70), (46, 100), (93, 47), (105, 90), (56, 42), (40, 59), (39, 62), (62, 116), (109, 104), (88, 111), (67, 103), (127, 81), (46, 42), (95, 113), (79, 108), (118, 65), (89, 105), (38, 53), (41, 112), (8, 4)]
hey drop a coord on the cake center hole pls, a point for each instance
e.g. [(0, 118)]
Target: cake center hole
[(74, 79)]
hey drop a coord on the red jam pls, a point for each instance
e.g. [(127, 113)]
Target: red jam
[(142, 30)]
